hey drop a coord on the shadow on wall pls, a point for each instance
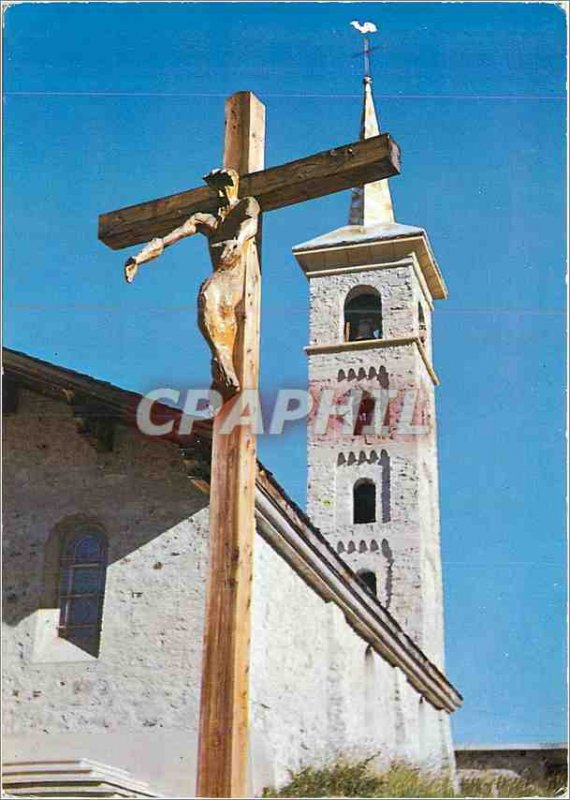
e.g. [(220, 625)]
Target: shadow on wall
[(135, 511)]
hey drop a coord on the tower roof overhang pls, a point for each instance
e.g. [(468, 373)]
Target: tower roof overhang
[(355, 245)]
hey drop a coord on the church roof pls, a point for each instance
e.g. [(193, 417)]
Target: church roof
[(353, 244), (286, 528)]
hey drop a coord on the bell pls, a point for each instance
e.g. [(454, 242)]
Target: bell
[(365, 329)]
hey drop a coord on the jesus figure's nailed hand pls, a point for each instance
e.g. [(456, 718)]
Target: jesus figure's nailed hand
[(131, 269)]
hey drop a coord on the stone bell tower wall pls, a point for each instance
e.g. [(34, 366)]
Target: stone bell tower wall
[(401, 546), (400, 285)]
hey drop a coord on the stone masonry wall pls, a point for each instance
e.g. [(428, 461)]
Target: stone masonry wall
[(404, 551), (399, 291)]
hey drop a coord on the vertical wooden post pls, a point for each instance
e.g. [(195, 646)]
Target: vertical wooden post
[(224, 706)]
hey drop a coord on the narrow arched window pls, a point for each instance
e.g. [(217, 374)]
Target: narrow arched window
[(365, 414), (362, 315), (82, 570), (368, 578), (385, 497), (364, 501), (422, 323)]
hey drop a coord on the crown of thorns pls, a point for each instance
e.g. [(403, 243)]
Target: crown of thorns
[(221, 177)]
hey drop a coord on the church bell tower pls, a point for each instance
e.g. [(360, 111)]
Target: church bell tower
[(373, 491)]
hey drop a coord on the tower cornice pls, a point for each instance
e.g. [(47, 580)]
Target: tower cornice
[(355, 245), (375, 344), (410, 258)]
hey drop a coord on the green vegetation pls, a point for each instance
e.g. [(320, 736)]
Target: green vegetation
[(345, 778), (358, 779), (490, 785)]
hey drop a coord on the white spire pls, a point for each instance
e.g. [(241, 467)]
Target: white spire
[(371, 204)]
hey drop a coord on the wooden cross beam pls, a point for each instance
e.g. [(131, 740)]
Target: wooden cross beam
[(224, 705), (305, 179)]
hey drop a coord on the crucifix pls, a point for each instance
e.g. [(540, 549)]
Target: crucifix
[(228, 212)]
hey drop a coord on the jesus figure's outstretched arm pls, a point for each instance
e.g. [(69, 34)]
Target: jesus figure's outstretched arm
[(197, 223)]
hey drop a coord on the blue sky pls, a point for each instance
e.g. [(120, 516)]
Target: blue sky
[(111, 104)]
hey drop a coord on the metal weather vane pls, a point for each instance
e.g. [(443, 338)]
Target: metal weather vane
[(365, 28)]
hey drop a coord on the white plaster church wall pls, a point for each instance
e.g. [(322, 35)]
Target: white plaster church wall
[(133, 706), (334, 694), (314, 689)]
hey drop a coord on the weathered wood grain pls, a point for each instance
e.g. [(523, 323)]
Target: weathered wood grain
[(224, 706), (330, 171)]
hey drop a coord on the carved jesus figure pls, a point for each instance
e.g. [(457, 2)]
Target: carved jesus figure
[(231, 232)]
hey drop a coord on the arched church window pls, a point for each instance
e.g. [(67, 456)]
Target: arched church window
[(385, 495), (422, 323), (362, 315), (368, 578), (364, 501), (82, 572)]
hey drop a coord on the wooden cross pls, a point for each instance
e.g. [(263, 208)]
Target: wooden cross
[(224, 707)]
